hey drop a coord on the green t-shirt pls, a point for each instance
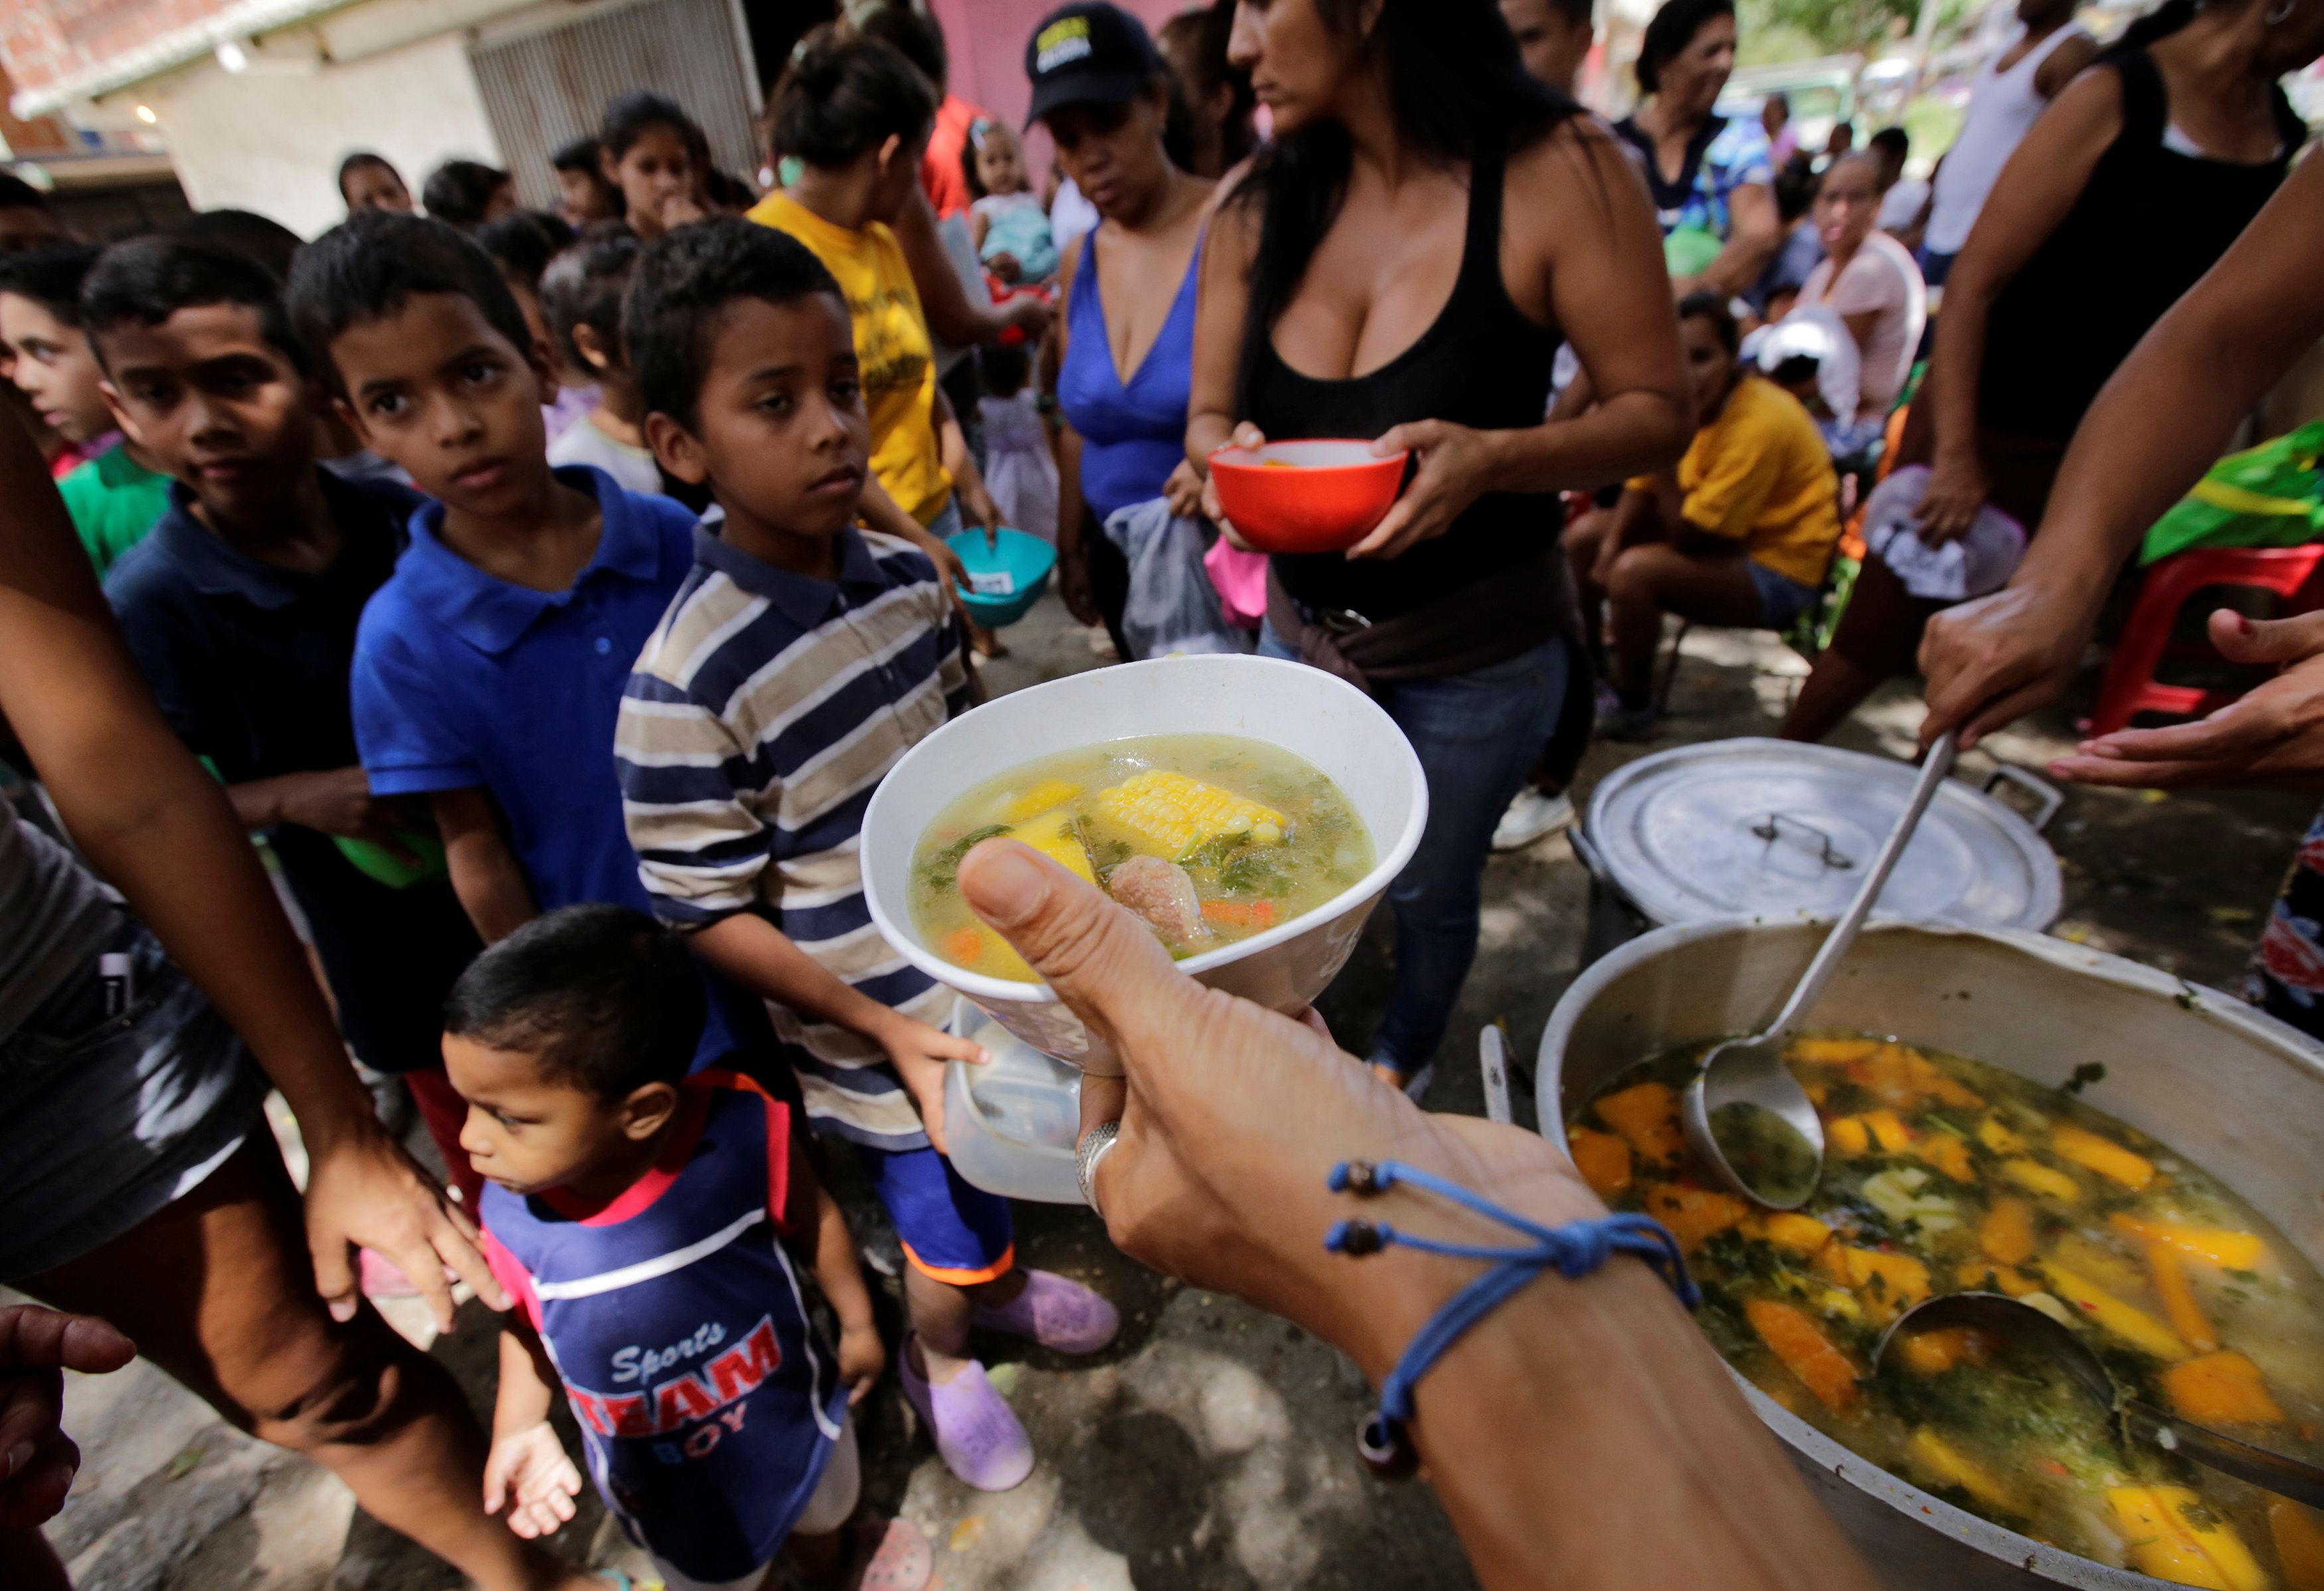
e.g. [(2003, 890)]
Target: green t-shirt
[(114, 501)]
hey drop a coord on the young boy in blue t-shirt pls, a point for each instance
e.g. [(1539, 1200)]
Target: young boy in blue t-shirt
[(800, 659), (640, 1217)]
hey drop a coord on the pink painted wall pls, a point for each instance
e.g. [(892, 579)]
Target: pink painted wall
[(987, 42)]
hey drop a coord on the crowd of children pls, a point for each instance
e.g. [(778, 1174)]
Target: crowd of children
[(503, 567)]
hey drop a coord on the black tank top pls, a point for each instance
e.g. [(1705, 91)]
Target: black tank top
[(2148, 223), (1482, 364)]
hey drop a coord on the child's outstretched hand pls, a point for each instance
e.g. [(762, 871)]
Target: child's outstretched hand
[(527, 1471), (862, 1357), (918, 1052)]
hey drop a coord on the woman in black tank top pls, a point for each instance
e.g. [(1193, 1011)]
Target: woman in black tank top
[(2119, 201), (1398, 265)]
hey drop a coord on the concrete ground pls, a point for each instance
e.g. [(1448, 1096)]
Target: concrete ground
[(1210, 1447)]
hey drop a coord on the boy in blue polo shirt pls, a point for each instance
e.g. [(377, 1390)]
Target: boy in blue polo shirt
[(488, 670), (799, 660), (240, 608)]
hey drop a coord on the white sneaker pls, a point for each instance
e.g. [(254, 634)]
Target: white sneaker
[(1530, 817)]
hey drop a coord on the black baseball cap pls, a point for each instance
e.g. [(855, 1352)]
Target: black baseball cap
[(1090, 54)]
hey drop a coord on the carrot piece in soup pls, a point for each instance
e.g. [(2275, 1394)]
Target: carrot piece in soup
[(1603, 1158), (1241, 913), (1935, 1351), (2169, 1273), (2134, 1325), (1888, 1131), (2222, 1246), (1801, 1233), (1646, 1114), (2102, 1155), (1847, 1135), (1949, 1155), (1806, 1352), (1833, 1051), (2220, 1388), (2046, 1181), (963, 945)]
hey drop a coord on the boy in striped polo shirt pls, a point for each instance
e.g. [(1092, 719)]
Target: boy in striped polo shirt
[(800, 659)]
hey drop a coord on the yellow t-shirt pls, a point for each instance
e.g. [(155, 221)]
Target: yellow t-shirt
[(892, 343), (1760, 475)]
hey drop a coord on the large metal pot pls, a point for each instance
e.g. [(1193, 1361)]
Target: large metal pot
[(2237, 1092)]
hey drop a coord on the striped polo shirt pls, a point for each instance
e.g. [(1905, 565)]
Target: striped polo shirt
[(764, 710)]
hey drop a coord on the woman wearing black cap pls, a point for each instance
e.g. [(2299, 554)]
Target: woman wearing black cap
[(1125, 349), (1401, 263)]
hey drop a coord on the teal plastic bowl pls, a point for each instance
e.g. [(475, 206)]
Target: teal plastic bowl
[(1004, 581)]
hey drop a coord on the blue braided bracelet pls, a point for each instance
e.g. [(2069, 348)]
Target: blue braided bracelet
[(1574, 1249)]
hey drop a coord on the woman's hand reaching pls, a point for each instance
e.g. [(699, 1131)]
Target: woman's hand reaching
[(1247, 436), (2274, 736)]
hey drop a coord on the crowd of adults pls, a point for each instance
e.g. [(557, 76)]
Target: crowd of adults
[(1433, 245)]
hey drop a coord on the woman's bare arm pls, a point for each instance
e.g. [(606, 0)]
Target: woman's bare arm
[(2156, 426), (1221, 310), (2033, 195), (1755, 232), (160, 830)]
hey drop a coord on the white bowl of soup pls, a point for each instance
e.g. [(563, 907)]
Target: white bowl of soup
[(1295, 796)]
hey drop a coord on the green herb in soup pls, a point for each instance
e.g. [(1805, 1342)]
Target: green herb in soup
[(1210, 838), (1943, 1175)]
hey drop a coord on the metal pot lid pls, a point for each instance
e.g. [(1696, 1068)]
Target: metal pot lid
[(1775, 828)]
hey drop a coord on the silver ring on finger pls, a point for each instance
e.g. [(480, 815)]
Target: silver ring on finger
[(1096, 1145)]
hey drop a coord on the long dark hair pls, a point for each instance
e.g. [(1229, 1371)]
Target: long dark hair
[(2155, 26), (1457, 90)]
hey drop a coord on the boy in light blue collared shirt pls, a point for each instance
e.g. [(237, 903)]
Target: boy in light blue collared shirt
[(488, 670)]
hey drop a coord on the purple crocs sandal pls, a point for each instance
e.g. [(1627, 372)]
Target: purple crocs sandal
[(1055, 1313), (976, 1432)]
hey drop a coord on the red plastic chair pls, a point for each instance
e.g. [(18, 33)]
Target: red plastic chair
[(2131, 687)]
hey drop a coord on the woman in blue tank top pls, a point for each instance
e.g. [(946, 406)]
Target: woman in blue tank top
[(1127, 341)]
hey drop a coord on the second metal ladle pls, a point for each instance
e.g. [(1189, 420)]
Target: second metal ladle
[(2021, 1324), (1745, 1113)]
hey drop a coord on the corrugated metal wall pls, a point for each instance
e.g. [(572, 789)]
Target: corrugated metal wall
[(544, 88)]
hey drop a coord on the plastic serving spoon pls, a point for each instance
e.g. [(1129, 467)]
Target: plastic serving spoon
[(2023, 1326), (1745, 1113)]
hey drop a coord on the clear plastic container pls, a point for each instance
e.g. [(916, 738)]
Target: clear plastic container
[(1013, 1125)]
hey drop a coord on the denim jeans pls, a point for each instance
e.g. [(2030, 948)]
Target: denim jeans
[(1478, 735)]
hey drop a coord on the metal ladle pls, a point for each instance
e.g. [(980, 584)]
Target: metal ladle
[(1745, 1113), (2022, 1325)]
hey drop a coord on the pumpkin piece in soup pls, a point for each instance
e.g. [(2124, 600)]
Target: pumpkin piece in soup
[(2299, 1544), (1949, 1155), (1059, 837), (1802, 1235), (980, 950), (2134, 1325), (1047, 796), (1603, 1161), (2047, 1182), (2220, 1388), (1978, 1276), (1887, 1075), (1796, 1340), (2169, 1271), (2172, 1536), (2222, 1246), (1999, 1138), (1929, 1081), (1848, 1136), (2007, 1232), (2103, 1155), (1889, 1131), (1940, 1348), (1942, 1463), (1833, 1051), (1885, 1284), (1694, 1215), (1646, 1114)]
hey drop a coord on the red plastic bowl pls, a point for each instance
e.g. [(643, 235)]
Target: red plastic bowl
[(1307, 496)]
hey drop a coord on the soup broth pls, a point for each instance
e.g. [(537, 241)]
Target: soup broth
[(1945, 1175), (1210, 838)]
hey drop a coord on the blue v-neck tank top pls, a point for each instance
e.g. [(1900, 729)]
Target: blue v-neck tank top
[(1132, 436)]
